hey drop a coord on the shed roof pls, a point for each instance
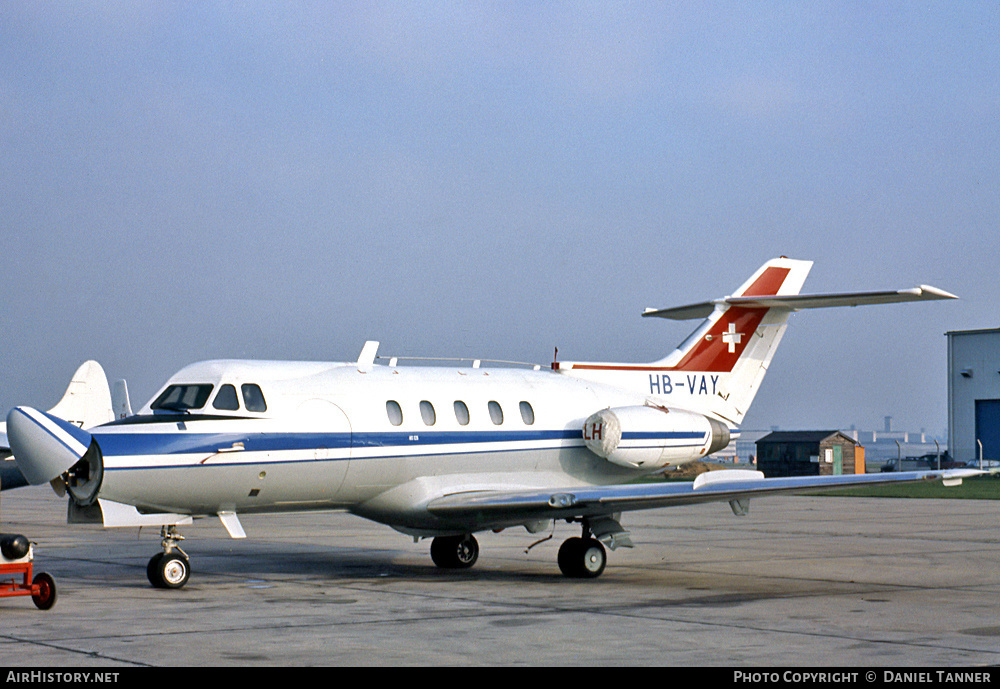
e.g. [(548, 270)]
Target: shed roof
[(802, 437)]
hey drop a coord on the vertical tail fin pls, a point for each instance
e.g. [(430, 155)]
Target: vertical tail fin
[(726, 335), (87, 401), (735, 342), (718, 369)]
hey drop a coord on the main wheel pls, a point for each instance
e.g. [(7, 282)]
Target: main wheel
[(168, 570), (455, 552), (582, 558), (46, 596)]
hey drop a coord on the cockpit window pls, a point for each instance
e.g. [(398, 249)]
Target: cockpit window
[(227, 399), (182, 397), (253, 398)]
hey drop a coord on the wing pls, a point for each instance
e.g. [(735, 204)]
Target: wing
[(496, 507)]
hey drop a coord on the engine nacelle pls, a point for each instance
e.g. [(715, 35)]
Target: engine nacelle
[(643, 437)]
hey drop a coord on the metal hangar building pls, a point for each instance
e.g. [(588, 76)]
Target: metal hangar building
[(974, 395)]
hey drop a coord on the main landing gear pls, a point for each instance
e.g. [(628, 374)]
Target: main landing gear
[(455, 552), (581, 557), (170, 569)]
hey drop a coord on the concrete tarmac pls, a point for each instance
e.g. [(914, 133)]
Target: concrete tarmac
[(801, 581)]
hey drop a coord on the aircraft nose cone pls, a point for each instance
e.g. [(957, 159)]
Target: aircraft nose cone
[(44, 446)]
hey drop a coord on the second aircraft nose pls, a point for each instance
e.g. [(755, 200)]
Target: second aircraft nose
[(44, 445)]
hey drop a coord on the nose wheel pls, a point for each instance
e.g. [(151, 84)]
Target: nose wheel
[(170, 569)]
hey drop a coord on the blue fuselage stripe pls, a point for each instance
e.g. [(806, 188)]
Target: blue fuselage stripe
[(663, 435), (125, 444)]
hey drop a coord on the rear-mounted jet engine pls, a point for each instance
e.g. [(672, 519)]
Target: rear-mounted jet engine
[(648, 437)]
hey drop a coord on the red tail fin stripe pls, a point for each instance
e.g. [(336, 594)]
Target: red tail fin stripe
[(767, 284), (722, 346), (716, 352)]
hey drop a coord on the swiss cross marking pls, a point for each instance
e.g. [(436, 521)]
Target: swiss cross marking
[(732, 338)]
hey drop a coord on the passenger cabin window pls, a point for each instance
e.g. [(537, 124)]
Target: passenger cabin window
[(183, 397), (527, 414), (226, 400), (253, 398), (394, 412), (496, 413), (461, 413), (427, 413)]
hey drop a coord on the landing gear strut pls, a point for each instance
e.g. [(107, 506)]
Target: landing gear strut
[(170, 569), (582, 557)]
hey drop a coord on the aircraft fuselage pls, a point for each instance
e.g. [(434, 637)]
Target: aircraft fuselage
[(372, 440)]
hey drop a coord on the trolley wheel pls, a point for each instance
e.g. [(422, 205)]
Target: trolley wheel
[(46, 595)]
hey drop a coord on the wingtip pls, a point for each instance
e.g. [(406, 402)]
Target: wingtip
[(935, 293)]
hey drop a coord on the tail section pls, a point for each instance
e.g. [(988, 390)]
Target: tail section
[(719, 368), (734, 345), (87, 401), (730, 335)]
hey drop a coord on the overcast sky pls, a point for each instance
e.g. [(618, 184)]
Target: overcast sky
[(183, 181)]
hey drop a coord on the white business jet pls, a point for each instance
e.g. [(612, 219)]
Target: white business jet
[(447, 451)]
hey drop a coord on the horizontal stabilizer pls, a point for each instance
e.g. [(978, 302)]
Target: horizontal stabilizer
[(794, 302)]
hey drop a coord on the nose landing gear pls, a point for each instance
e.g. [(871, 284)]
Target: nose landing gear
[(170, 569)]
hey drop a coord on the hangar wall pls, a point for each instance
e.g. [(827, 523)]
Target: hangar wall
[(974, 394)]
